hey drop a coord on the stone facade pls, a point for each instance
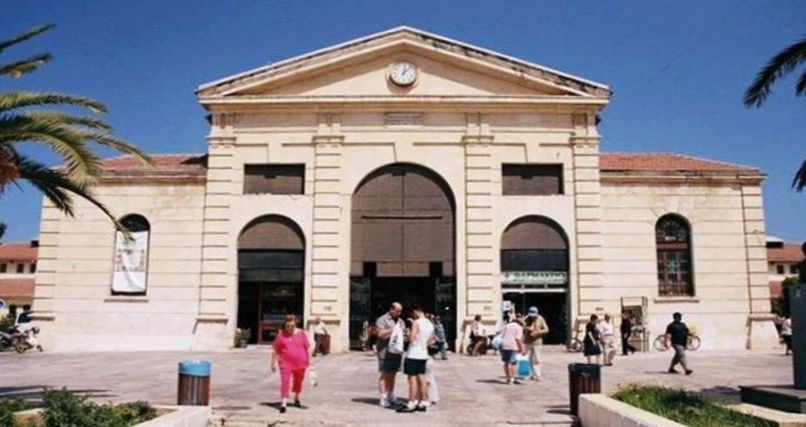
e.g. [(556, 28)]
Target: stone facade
[(469, 112)]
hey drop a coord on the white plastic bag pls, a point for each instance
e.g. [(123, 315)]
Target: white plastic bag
[(497, 340)]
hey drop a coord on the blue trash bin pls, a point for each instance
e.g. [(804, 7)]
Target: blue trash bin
[(194, 383)]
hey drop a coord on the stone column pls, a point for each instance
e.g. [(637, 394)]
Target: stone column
[(329, 285), (482, 284), (588, 218), (762, 327), (218, 289)]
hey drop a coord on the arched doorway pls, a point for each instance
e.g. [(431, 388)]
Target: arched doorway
[(402, 246), (271, 265), (534, 271)]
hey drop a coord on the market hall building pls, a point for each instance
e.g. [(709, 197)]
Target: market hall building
[(403, 166)]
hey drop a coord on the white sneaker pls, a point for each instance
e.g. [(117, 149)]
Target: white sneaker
[(385, 403)]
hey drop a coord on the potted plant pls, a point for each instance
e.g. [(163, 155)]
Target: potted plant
[(242, 337)]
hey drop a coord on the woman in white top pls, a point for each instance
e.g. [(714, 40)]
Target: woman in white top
[(422, 334)]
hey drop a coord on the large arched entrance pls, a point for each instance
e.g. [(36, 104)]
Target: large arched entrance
[(271, 265), (534, 270), (402, 246)]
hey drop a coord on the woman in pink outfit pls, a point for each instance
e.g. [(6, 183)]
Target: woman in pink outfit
[(291, 356)]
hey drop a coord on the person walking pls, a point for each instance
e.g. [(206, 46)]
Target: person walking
[(534, 329), (478, 338), (626, 331), (606, 331), (677, 332), (592, 341), (421, 334), (786, 333), (511, 346), (386, 327), (321, 337), (442, 341), (290, 356)]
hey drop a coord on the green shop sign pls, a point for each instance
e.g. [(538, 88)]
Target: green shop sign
[(534, 278)]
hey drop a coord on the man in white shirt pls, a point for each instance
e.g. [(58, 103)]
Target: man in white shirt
[(320, 337), (606, 331), (478, 337)]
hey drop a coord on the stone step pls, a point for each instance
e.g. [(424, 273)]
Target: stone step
[(257, 421)]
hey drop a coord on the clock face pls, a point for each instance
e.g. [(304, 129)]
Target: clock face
[(403, 73)]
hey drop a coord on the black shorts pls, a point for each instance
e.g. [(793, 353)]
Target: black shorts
[(414, 366), (389, 362)]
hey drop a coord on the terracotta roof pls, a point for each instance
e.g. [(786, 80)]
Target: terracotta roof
[(18, 251), (776, 289), (193, 163), (666, 162), (16, 288), (790, 252)]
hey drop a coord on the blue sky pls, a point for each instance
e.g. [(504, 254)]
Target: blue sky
[(678, 69)]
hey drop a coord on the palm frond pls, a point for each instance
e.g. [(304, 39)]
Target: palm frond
[(800, 87), (67, 119), (16, 69), (799, 182), (71, 143), (25, 35), (780, 65), (56, 186), (21, 99), (122, 146)]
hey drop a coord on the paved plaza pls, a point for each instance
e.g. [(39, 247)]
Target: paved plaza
[(245, 392)]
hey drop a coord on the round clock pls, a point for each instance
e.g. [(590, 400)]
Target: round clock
[(403, 73)]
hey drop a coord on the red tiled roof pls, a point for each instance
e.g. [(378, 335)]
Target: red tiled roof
[(18, 251), (776, 289), (666, 162), (188, 162), (16, 288), (790, 253)]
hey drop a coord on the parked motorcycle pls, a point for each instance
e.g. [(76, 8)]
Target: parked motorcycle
[(20, 341)]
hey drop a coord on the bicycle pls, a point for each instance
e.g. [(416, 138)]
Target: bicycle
[(692, 343)]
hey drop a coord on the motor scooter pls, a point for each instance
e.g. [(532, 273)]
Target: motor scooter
[(10, 340), (28, 339)]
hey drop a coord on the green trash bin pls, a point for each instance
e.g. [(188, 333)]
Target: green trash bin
[(583, 378)]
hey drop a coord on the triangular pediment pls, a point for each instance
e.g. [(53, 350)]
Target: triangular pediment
[(361, 68)]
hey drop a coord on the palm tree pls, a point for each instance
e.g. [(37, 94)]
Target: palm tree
[(785, 62), (22, 120)]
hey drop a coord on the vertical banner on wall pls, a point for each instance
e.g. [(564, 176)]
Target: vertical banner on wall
[(131, 259)]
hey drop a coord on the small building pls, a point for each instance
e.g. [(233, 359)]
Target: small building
[(17, 273), (403, 166), (783, 258)]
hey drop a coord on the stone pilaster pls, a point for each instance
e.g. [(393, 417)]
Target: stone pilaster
[(218, 288), (762, 329), (588, 217), (481, 281), (329, 286), (46, 262)]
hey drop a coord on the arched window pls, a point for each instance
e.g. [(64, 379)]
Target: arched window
[(131, 256), (673, 244)]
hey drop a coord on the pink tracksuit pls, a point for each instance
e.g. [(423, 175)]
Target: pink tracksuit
[(292, 354)]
